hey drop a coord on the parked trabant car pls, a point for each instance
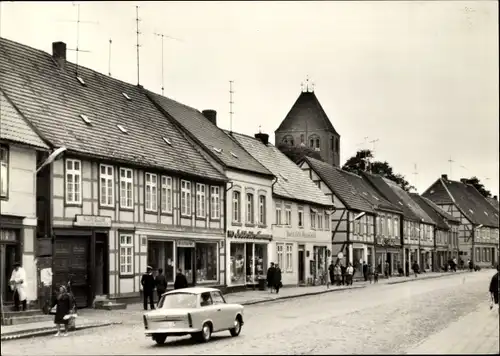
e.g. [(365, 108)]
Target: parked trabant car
[(195, 311)]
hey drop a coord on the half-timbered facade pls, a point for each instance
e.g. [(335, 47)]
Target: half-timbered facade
[(301, 227), (129, 190), (478, 230)]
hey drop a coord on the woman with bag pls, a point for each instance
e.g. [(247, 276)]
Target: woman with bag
[(64, 310)]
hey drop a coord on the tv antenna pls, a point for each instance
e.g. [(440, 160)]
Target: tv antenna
[(450, 161), (415, 174), (373, 142), (163, 36), (137, 19), (109, 57), (78, 22), (231, 102)]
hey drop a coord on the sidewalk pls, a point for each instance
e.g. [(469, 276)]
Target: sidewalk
[(475, 333)]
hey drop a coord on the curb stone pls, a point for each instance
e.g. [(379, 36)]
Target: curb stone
[(16, 335), (300, 295), (413, 279)]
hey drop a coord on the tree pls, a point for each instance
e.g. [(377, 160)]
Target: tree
[(479, 186), (361, 162), (297, 153)]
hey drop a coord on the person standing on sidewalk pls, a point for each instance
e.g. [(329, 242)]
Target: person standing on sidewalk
[(18, 285), (415, 268), (64, 305), (337, 272), (365, 271), (161, 283), (148, 286), (349, 274), (180, 280), (277, 278), (270, 277), (331, 269), (494, 288), (342, 270)]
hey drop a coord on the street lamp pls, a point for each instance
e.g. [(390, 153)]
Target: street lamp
[(360, 215)]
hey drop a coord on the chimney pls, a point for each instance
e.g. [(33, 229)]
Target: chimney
[(211, 115), (59, 53), (264, 138), (463, 180), (495, 197), (444, 176)]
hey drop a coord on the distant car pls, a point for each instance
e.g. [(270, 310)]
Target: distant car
[(196, 311)]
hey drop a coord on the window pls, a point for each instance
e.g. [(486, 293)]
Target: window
[(327, 221), (320, 221), (289, 258), (370, 225), (389, 226), (73, 181), (313, 220), (166, 194), (478, 254), (363, 222), (317, 143), (200, 200), (302, 138), (126, 254), (106, 181), (311, 142), (288, 215), (206, 262), (262, 209), (250, 211), (357, 227), (331, 143), (151, 192), (205, 300), (236, 207), (185, 197), (396, 227), (301, 217), (4, 172), (215, 202), (278, 213), (288, 140), (126, 184), (337, 145), (217, 298), (380, 220), (279, 255)]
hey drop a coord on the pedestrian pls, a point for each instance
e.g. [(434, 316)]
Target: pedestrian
[(18, 284), (331, 269), (337, 271), (386, 269), (375, 274), (65, 306), (494, 288), (370, 273), (161, 283), (180, 280), (415, 268), (471, 266), (277, 278), (148, 286), (365, 271), (342, 271), (407, 269), (349, 274), (270, 277)]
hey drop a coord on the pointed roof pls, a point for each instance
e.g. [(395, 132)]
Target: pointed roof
[(438, 215), (53, 100), (293, 182), (494, 203), (306, 108)]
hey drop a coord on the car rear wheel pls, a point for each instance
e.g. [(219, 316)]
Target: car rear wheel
[(160, 338), (235, 331), (206, 333)]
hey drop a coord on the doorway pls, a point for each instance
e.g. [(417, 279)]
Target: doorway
[(185, 262), (9, 254), (101, 264), (302, 264)]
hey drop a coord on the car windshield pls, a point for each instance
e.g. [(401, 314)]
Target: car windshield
[(178, 300)]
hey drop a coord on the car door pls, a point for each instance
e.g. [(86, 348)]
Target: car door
[(225, 315), (209, 310)]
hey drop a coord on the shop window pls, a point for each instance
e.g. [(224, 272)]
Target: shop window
[(206, 262), (151, 192), (260, 260), (215, 202), (185, 198), (161, 255), (73, 181), (289, 258), (166, 194), (237, 263), (106, 181), (200, 200), (4, 171), (279, 254), (301, 217), (250, 211), (262, 209), (126, 191), (236, 207), (126, 254)]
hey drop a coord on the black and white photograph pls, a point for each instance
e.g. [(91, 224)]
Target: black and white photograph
[(249, 177)]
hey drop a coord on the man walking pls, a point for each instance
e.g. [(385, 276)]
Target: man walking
[(415, 268), (18, 285), (331, 269), (337, 271), (180, 280), (277, 278), (148, 286), (365, 271), (270, 277), (161, 283)]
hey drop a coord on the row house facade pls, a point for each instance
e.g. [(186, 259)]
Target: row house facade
[(478, 229), (301, 227), (118, 197), (19, 144), (248, 248)]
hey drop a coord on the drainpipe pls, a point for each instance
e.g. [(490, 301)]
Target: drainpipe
[(225, 232), (272, 185)]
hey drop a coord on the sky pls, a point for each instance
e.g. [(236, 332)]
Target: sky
[(419, 77)]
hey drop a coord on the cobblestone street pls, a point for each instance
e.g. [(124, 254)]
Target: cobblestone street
[(394, 319)]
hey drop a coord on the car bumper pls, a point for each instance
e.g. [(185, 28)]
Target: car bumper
[(172, 331)]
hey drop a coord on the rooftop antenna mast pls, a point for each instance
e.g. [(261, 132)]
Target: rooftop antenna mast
[(109, 57), (415, 174), (162, 61), (137, 40), (231, 102), (450, 161)]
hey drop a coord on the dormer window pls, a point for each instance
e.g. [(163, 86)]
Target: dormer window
[(126, 96), (365, 193), (86, 119), (80, 79), (485, 213), (471, 211), (400, 203), (283, 177), (167, 141), (218, 150), (288, 140), (233, 154), (122, 129), (375, 197)]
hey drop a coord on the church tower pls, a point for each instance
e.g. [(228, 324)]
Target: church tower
[(307, 124)]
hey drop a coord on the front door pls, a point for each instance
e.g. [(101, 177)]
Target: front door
[(302, 276), (8, 256), (185, 261), (99, 268)]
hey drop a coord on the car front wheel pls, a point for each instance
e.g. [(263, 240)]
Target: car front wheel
[(235, 331), (160, 338)]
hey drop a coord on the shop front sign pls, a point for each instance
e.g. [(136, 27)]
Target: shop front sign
[(301, 233), (185, 244), (247, 234), (92, 221)]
